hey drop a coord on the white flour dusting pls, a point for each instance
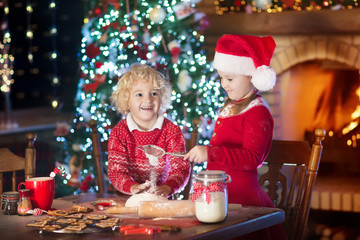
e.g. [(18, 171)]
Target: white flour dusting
[(153, 160)]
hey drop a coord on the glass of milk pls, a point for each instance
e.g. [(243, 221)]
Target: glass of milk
[(210, 195)]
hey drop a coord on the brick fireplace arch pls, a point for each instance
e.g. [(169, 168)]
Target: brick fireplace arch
[(291, 50), (295, 49)]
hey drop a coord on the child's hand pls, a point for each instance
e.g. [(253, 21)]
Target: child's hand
[(197, 154), (163, 190), (138, 188)]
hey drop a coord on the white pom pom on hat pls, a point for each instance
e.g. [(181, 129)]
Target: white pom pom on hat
[(247, 55)]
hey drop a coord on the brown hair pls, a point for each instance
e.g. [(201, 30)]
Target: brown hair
[(239, 106)]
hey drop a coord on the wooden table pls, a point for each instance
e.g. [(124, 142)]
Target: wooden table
[(239, 222)]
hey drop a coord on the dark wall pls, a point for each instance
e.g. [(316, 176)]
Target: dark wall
[(33, 81)]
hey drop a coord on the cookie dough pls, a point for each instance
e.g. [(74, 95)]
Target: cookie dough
[(135, 200)]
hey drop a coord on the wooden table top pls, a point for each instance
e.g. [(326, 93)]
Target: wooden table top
[(240, 220)]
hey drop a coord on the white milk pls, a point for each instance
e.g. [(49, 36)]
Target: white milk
[(215, 211)]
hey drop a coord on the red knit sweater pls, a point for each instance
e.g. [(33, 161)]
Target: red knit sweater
[(128, 165), (238, 146)]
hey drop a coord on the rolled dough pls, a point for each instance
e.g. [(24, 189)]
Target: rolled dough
[(135, 200)]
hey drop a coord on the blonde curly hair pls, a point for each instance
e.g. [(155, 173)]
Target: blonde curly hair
[(140, 72)]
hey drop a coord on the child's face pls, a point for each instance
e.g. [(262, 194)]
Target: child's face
[(144, 104), (236, 86)]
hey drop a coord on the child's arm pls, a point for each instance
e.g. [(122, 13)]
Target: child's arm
[(118, 172), (197, 154)]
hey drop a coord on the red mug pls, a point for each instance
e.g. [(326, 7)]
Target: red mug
[(42, 191)]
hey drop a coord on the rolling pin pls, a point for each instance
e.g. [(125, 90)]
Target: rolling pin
[(164, 209)]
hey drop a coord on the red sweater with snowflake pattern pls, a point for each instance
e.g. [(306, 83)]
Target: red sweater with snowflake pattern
[(129, 165)]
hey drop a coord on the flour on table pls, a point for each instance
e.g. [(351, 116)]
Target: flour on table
[(135, 200)]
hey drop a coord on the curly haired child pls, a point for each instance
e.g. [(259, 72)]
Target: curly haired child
[(143, 95)]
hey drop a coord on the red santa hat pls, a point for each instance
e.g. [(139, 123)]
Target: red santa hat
[(247, 55)]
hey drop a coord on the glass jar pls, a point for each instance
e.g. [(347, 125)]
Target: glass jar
[(209, 192), (9, 202), (24, 204)]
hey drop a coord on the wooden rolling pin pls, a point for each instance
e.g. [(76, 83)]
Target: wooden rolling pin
[(164, 209)]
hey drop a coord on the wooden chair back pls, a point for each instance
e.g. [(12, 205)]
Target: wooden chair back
[(99, 148), (10, 162), (189, 144), (289, 180)]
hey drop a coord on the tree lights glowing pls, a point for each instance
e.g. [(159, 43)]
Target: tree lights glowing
[(163, 34)]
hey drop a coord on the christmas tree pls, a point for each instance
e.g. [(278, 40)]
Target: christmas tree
[(163, 34)]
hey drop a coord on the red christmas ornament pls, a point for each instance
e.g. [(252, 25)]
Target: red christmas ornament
[(97, 11), (288, 3), (115, 3), (237, 3), (142, 54), (175, 51), (116, 6), (134, 21), (92, 50), (85, 185), (122, 28), (126, 44), (106, 27), (98, 64), (83, 75), (99, 78), (91, 87), (115, 25)]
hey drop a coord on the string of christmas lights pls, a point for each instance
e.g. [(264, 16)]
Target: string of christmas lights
[(6, 59), (276, 6), (6, 67), (29, 33), (55, 81)]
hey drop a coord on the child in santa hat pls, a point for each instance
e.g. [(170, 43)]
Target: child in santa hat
[(143, 95), (243, 132)]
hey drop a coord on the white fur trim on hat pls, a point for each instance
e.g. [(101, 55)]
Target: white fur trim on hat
[(264, 78), (247, 55), (234, 64)]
